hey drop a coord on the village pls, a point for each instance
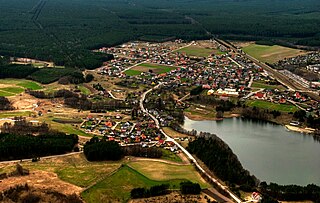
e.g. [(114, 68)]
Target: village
[(137, 66)]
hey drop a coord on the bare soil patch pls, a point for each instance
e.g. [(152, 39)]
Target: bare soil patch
[(174, 197), (41, 180)]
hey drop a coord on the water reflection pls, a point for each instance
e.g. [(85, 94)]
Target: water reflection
[(267, 150)]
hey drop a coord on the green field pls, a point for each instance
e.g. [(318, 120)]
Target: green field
[(27, 84), (271, 54), (132, 72), (272, 106), (145, 67), (196, 51), (5, 94), (162, 171), (267, 86), (170, 156), (74, 169), (13, 87), (14, 113), (84, 90), (117, 187), (13, 90)]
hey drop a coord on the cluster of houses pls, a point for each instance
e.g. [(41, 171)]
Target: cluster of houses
[(309, 63), (125, 132), (225, 74)]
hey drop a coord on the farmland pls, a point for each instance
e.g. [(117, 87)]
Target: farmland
[(271, 54), (163, 171), (272, 106), (117, 187), (12, 87), (110, 181)]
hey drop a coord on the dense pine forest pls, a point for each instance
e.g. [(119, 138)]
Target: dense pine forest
[(15, 146), (65, 31), (221, 160)]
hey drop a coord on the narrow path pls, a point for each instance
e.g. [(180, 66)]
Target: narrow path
[(135, 159), (45, 157)]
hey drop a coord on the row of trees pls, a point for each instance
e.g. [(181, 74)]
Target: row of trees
[(188, 187), (28, 146), (100, 150), (221, 160), (156, 190), (5, 104), (22, 127), (291, 192), (139, 151)]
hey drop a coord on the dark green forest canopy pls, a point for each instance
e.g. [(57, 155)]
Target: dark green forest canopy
[(65, 31)]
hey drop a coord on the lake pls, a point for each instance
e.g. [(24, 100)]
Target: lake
[(267, 150)]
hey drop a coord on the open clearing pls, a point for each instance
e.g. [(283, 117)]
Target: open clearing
[(146, 67), (272, 106), (12, 87), (162, 171), (197, 51), (271, 54), (74, 169), (117, 187), (104, 181), (267, 86), (43, 180)]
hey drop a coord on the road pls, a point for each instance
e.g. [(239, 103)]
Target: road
[(45, 157), (191, 158), (252, 93), (291, 84), (115, 98)]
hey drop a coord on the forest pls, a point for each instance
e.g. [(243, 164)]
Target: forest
[(15, 146), (221, 160), (100, 150), (65, 32), (42, 75), (291, 192)]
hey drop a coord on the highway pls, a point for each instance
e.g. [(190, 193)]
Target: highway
[(191, 158)]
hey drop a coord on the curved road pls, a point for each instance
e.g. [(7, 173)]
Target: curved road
[(143, 96)]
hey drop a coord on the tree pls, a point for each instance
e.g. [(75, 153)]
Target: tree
[(89, 77), (101, 150), (188, 187)]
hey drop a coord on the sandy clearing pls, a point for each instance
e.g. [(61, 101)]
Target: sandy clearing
[(41, 180)]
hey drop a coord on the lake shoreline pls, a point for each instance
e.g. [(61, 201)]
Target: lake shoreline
[(199, 117), (241, 139)]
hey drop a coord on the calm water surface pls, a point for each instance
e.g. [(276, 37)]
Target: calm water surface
[(268, 151)]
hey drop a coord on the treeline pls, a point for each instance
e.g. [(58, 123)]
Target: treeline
[(101, 150), (156, 190), (139, 151), (81, 101), (260, 114), (221, 160), (43, 75), (5, 104), (22, 127), (186, 188), (291, 192), (28, 146)]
